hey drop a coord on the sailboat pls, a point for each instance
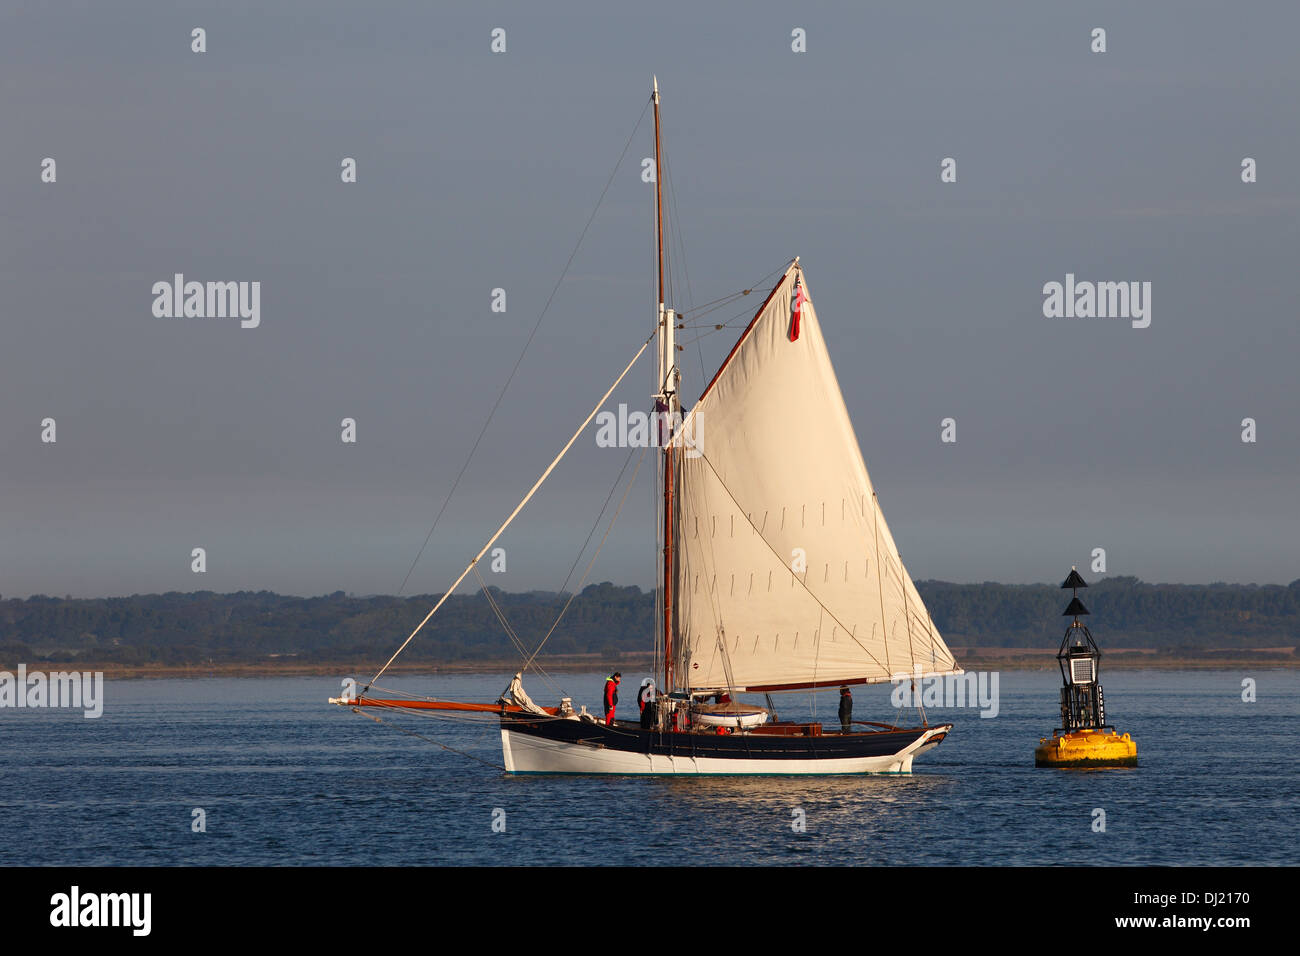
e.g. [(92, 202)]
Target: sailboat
[(777, 572)]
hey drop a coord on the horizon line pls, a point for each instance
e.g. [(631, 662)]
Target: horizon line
[(420, 594)]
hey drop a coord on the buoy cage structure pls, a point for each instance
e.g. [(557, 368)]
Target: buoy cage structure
[(1084, 739)]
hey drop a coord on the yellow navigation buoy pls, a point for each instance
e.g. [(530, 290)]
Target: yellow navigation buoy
[(1084, 739), (1086, 748)]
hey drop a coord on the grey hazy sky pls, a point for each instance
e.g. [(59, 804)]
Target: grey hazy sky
[(478, 171)]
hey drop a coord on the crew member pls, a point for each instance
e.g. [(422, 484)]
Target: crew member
[(846, 710), (645, 698), (611, 696)]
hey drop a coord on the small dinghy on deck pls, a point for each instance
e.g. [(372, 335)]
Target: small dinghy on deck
[(730, 714)]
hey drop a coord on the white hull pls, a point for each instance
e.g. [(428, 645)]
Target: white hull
[(525, 753)]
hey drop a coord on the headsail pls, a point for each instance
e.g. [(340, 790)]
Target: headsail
[(786, 573)]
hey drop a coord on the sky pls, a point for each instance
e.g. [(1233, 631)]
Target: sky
[(477, 170)]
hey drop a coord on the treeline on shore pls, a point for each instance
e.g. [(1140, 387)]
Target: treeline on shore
[(605, 619)]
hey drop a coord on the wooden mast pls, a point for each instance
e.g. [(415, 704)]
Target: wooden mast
[(659, 204), (664, 403)]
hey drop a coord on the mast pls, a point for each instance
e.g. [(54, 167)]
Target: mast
[(659, 210), (667, 405)]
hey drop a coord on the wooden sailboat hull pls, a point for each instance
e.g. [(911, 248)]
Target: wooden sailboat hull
[(582, 747)]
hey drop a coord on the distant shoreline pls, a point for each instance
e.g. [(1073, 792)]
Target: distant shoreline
[(971, 659)]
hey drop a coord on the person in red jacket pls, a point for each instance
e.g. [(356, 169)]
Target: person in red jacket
[(611, 696)]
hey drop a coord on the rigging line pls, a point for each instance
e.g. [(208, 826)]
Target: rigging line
[(596, 524), (518, 508), (924, 627), (681, 239), (714, 602), (412, 733), (902, 581), (529, 660), (817, 654), (500, 616), (519, 641), (510, 378), (716, 304), (715, 607), (700, 338), (669, 261), (587, 570), (742, 316), (726, 663), (515, 639), (497, 610), (719, 303), (934, 632), (880, 587), (402, 693), (706, 307), (705, 458), (414, 698), (719, 326), (710, 326)]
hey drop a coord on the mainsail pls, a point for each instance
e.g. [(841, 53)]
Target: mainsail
[(786, 574)]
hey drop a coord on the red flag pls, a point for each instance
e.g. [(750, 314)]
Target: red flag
[(796, 309)]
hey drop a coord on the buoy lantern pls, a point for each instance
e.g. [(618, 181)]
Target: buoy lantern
[(1084, 739)]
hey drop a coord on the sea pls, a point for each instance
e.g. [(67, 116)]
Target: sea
[(265, 772)]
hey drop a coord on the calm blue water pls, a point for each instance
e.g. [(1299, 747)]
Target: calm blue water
[(286, 779)]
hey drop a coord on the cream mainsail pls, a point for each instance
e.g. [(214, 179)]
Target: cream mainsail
[(786, 573)]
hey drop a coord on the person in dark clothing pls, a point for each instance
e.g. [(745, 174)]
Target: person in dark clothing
[(646, 694), (645, 697), (846, 710), (611, 696)]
